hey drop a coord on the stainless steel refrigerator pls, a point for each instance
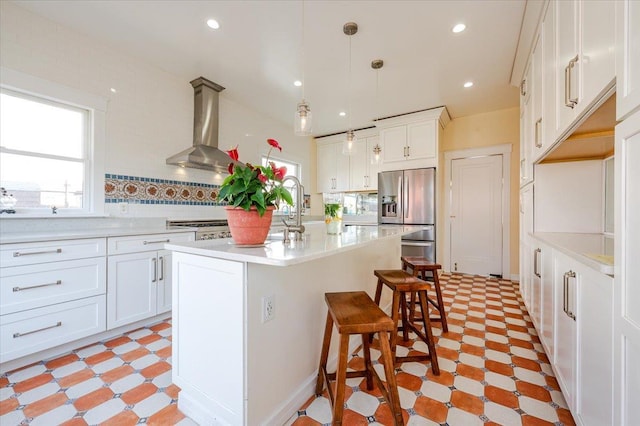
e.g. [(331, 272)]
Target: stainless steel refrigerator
[(407, 197)]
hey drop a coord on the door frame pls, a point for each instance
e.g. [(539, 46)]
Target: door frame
[(449, 156)]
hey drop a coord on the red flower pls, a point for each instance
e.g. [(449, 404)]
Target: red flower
[(274, 143), (230, 168), (280, 173), (233, 153), (263, 178)]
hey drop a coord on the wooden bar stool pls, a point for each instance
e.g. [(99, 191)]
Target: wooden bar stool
[(355, 313), (419, 267), (401, 283)]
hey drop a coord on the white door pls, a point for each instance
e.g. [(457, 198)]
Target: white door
[(476, 215)]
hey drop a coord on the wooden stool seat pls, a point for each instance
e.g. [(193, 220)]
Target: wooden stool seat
[(401, 282), (420, 266), (356, 313)]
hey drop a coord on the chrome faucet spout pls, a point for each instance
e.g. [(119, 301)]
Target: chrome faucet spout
[(298, 228)]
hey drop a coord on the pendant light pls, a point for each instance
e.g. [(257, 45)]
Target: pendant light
[(303, 118), (349, 144), (376, 64)]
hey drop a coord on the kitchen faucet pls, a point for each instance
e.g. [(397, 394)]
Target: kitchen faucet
[(298, 228)]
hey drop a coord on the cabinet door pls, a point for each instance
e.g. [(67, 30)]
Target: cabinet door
[(358, 166), (565, 327), (326, 168), (566, 63), (627, 57), (421, 140), (536, 101), (342, 165), (132, 286), (547, 299), (164, 281), (526, 138), (597, 48), (627, 271), (595, 348), (374, 169), (394, 143), (536, 286), (548, 78)]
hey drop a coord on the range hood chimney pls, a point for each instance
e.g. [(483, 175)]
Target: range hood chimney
[(204, 154)]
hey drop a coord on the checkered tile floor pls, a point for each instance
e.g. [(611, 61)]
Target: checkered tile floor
[(493, 370)]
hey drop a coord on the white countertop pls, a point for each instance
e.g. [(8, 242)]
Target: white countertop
[(593, 250), (316, 244), (31, 237)]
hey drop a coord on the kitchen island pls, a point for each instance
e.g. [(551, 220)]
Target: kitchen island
[(248, 322)]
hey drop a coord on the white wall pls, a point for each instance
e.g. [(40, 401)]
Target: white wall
[(150, 117)]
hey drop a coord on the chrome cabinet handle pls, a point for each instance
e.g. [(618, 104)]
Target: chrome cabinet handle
[(536, 263), (155, 270), (16, 335), (538, 133), (156, 242), (523, 85), (568, 100), (409, 151), (570, 312), (17, 289), (18, 253), (161, 268), (565, 302)]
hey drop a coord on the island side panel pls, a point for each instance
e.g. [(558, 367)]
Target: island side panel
[(283, 354), (208, 338)]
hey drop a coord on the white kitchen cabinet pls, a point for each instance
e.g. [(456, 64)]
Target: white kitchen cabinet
[(526, 127), (332, 166), (411, 140), (51, 293), (139, 279), (526, 227), (627, 57), (363, 174), (565, 328), (585, 56), (548, 35), (535, 289), (626, 307), (545, 270), (594, 405)]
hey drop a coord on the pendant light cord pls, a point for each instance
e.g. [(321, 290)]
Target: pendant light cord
[(303, 50), (349, 82)]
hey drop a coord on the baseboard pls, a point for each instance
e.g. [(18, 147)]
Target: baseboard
[(515, 278)]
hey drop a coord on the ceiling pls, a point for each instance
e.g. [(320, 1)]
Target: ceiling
[(257, 52)]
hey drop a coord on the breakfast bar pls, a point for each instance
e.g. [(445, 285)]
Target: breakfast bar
[(248, 321)]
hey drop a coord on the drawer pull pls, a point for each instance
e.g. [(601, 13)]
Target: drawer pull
[(16, 335), (16, 289), (18, 254), (156, 242)]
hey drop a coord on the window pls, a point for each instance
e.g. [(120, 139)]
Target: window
[(44, 152), (293, 169)]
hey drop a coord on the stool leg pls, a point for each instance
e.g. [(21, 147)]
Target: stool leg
[(367, 359), (341, 380), (395, 307), (390, 376), (443, 317), (324, 355), (403, 310), (424, 306)]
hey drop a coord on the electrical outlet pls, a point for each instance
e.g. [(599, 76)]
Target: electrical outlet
[(124, 208), (268, 308)]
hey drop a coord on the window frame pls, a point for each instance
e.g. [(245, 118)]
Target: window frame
[(284, 208), (40, 90)]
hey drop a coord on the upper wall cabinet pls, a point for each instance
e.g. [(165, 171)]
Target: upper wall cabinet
[(332, 166), (628, 57), (363, 174), (585, 56), (411, 140)]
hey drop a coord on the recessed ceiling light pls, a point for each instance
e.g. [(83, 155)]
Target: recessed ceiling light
[(342, 114), (459, 28), (212, 23), (297, 83), (468, 84), (113, 90)]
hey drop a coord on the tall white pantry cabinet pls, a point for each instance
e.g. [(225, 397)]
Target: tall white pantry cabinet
[(587, 313)]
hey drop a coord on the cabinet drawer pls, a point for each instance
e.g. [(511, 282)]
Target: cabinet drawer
[(27, 332), (51, 251), (150, 242), (34, 286)]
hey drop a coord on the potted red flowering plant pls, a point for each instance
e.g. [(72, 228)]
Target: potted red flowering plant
[(256, 190)]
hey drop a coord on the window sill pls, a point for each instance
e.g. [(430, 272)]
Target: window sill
[(50, 216)]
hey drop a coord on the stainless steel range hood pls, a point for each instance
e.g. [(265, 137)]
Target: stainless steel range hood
[(204, 154)]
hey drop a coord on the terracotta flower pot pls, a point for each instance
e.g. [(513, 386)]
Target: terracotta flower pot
[(247, 227)]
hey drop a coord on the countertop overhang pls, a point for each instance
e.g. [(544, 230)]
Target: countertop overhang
[(593, 250), (316, 244)]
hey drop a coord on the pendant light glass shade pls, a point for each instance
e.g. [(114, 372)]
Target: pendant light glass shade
[(303, 119), (375, 158), (349, 145)]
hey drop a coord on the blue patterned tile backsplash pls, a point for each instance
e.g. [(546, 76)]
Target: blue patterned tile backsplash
[(143, 190)]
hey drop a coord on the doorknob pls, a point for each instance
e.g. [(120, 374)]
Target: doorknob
[(452, 217)]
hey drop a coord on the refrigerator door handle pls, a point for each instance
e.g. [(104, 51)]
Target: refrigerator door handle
[(417, 243), (401, 195), (405, 195)]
